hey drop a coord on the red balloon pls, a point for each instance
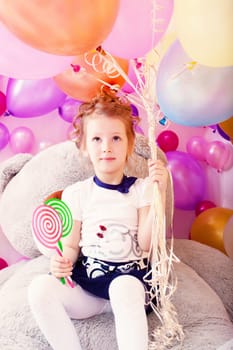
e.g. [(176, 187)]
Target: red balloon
[(203, 205), (2, 103), (3, 263), (167, 140)]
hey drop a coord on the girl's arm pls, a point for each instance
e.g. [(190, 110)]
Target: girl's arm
[(158, 174), (61, 266)]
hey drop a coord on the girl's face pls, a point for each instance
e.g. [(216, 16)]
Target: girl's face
[(107, 145)]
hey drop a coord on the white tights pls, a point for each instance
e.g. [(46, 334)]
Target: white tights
[(54, 304)]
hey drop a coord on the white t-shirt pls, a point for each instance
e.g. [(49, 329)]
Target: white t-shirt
[(109, 219)]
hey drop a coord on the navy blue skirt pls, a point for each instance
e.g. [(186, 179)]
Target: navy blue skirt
[(95, 276)]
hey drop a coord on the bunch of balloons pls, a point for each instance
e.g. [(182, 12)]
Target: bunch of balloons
[(217, 154)]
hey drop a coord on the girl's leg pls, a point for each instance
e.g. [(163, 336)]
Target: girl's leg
[(127, 297), (54, 304)]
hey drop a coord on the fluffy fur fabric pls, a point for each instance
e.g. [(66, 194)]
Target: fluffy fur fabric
[(204, 297)]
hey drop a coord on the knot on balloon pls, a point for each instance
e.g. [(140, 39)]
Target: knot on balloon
[(76, 67)]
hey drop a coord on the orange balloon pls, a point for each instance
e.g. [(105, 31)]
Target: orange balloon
[(208, 227), (228, 237), (83, 84), (62, 27), (227, 127)]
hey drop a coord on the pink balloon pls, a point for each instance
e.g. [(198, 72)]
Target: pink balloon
[(2, 102), (21, 61), (69, 109), (188, 178), (138, 130), (168, 140), (4, 136), (219, 155), (196, 147), (32, 98), (135, 31), (44, 144), (22, 140), (133, 70), (203, 205)]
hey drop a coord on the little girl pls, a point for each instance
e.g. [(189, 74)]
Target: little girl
[(106, 253)]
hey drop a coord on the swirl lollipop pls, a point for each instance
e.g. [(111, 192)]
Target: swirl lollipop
[(48, 227), (64, 212)]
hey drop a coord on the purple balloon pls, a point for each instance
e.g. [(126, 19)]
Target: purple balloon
[(69, 109), (22, 140), (188, 178), (4, 136), (222, 133), (134, 110), (33, 98)]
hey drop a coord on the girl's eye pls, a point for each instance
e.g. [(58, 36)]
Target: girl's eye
[(96, 139), (116, 138)]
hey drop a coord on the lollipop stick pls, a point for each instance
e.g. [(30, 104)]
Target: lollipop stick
[(67, 279)]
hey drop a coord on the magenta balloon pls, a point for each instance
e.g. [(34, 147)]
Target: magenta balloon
[(3, 264), (69, 109), (22, 140), (21, 61), (2, 103), (192, 94), (188, 178), (4, 136), (196, 147), (32, 98), (219, 155), (168, 140), (203, 205), (135, 31)]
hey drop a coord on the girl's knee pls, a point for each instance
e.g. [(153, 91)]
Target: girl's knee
[(127, 289), (41, 289)]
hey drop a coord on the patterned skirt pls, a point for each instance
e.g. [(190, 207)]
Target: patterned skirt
[(95, 276)]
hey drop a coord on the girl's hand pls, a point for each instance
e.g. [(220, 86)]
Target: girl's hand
[(60, 266), (158, 173)]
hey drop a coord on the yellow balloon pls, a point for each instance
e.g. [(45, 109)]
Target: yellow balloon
[(204, 28), (154, 56), (208, 227)]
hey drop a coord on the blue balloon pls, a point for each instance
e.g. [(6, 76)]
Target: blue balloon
[(192, 94)]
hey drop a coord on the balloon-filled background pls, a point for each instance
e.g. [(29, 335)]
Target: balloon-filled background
[(54, 57)]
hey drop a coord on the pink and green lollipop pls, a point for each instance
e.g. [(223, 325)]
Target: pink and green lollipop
[(51, 222)]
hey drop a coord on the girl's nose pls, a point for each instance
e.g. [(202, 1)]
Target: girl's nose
[(106, 147)]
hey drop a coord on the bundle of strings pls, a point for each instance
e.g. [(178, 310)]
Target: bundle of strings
[(161, 277)]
